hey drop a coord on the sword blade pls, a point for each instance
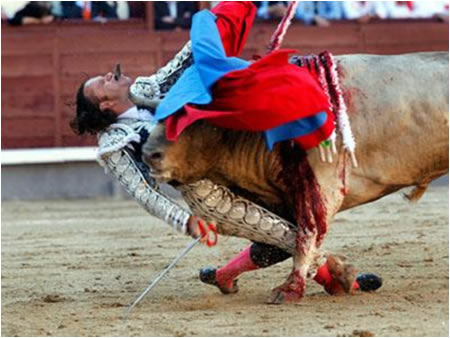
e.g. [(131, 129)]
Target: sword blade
[(163, 273)]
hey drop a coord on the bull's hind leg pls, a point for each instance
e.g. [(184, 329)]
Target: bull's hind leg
[(343, 276)]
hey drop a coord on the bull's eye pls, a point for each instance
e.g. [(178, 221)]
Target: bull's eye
[(156, 156), (174, 183)]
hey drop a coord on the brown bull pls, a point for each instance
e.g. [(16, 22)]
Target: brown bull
[(398, 110)]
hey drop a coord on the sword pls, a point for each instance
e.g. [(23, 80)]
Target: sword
[(183, 253)]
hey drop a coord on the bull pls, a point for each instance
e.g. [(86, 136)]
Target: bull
[(398, 110)]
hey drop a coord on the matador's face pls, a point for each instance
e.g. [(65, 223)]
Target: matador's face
[(108, 90)]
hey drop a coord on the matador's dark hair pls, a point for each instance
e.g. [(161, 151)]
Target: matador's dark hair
[(89, 118)]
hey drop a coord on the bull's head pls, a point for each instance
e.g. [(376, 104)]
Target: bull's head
[(227, 157), (188, 159)]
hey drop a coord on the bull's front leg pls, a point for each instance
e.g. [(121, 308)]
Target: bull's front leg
[(315, 206), (335, 274), (293, 290)]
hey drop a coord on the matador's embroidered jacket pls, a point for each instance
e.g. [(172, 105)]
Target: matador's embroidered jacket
[(119, 153)]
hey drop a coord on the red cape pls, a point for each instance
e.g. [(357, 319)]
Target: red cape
[(269, 93)]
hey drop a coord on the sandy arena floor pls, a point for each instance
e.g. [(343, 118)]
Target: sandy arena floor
[(70, 268)]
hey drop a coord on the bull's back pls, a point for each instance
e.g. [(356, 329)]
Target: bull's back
[(398, 108), (396, 89)]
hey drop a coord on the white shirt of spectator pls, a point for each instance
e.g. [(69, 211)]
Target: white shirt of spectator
[(398, 11), (427, 9), (356, 9), (123, 10), (81, 4), (172, 8), (11, 7)]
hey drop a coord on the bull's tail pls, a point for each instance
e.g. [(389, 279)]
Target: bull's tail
[(414, 195)]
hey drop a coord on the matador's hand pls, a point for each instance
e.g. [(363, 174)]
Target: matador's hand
[(197, 227)]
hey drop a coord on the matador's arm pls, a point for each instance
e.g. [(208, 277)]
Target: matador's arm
[(237, 216), (119, 153), (119, 148)]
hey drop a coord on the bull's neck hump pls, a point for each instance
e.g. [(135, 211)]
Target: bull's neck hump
[(250, 165)]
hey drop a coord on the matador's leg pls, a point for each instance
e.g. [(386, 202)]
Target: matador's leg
[(260, 255), (274, 240)]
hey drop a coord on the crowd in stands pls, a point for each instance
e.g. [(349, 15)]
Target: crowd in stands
[(29, 12), (322, 13), (176, 15), (32, 13)]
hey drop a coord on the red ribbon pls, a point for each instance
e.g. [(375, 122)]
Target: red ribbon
[(206, 231)]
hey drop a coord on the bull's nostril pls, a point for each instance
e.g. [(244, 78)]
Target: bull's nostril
[(156, 156)]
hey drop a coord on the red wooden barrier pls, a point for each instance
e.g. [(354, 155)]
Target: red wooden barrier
[(42, 66)]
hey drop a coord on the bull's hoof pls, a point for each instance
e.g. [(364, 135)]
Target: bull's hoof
[(276, 297), (279, 296), (368, 282), (348, 278), (344, 273), (292, 291), (208, 276)]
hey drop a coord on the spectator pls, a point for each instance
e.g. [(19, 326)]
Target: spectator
[(34, 12), (4, 15), (417, 9), (442, 11), (364, 11), (123, 10), (271, 9), (137, 9), (319, 12), (71, 10), (174, 14), (10, 8), (400, 9), (104, 9), (57, 9), (87, 10)]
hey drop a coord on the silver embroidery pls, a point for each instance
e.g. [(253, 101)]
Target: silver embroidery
[(236, 216), (149, 91), (122, 164)]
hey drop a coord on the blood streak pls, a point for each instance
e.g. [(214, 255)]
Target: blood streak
[(294, 288), (310, 210), (297, 285)]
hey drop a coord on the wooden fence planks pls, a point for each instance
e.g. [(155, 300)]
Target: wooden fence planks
[(42, 66)]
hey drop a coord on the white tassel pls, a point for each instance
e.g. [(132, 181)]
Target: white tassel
[(321, 153), (329, 154), (342, 117), (333, 142), (331, 147)]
